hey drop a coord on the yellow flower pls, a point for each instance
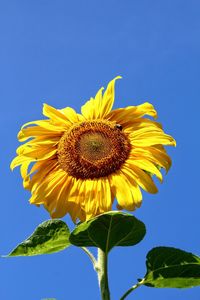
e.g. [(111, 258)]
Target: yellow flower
[(83, 161)]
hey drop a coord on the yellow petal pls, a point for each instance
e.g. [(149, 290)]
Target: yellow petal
[(37, 131), (47, 124), (92, 198), (134, 187), (38, 146), (56, 115), (130, 113), (105, 198), (150, 138), (89, 109), (24, 168), (43, 141), (141, 123), (71, 115), (145, 165), (37, 154), (108, 98), (122, 189), (100, 106), (18, 160), (40, 171), (76, 199), (61, 203), (43, 190), (153, 154), (142, 178)]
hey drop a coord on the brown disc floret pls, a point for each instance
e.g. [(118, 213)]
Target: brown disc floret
[(93, 149)]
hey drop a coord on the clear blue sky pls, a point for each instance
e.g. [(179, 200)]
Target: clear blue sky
[(60, 52)]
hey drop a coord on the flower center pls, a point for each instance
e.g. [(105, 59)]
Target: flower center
[(93, 149)]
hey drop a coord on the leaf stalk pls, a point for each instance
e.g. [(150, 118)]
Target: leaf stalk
[(132, 289)]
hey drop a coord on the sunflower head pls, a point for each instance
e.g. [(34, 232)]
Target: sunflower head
[(78, 163), (93, 149)]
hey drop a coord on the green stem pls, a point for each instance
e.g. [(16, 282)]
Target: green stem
[(102, 272), (132, 289)]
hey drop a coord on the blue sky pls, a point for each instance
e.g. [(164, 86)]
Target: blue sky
[(61, 52)]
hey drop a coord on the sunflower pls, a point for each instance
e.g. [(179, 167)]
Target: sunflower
[(78, 163)]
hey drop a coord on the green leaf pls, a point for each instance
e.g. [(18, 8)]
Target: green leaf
[(172, 268), (49, 237), (108, 230)]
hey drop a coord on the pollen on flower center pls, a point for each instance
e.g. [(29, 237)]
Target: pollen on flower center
[(92, 150), (94, 146)]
